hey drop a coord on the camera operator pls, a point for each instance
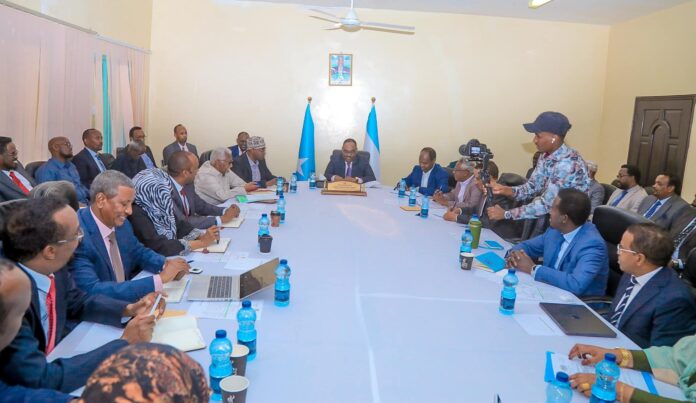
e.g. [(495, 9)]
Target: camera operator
[(559, 167)]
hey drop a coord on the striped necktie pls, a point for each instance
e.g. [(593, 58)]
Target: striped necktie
[(683, 234), (623, 302)]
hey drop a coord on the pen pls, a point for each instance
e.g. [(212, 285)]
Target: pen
[(189, 261), (154, 306)]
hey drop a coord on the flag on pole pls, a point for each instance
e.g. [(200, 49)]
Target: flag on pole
[(305, 157), (371, 144)]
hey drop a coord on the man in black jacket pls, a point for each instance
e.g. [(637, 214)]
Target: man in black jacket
[(251, 166)]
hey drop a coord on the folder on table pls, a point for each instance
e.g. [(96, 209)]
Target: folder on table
[(489, 261), (180, 332)]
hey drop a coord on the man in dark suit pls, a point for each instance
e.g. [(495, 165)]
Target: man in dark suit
[(349, 165), (683, 238), (652, 306), (428, 176), (251, 166), (188, 206), (40, 236), (241, 146), (130, 161), (15, 182), (575, 255), (110, 254), (180, 144), (136, 133), (665, 205), (87, 161)]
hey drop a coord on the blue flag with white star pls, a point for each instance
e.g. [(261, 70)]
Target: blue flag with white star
[(305, 157)]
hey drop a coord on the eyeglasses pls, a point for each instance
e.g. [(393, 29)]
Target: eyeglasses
[(77, 237), (619, 249)]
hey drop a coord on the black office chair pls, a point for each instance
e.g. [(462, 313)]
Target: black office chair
[(511, 179), (119, 151), (689, 272), (362, 154), (5, 208), (649, 190), (108, 159), (32, 167), (204, 157), (608, 190)]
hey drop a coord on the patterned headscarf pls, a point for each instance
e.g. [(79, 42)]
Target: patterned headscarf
[(147, 372), (153, 191)]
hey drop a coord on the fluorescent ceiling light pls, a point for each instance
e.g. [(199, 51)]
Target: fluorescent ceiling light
[(537, 3)]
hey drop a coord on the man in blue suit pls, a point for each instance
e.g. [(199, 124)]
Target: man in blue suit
[(110, 254), (575, 255), (40, 235), (652, 306), (428, 176)]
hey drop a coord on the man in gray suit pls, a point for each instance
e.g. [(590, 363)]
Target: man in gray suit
[(466, 195), (348, 165), (188, 206), (180, 144), (15, 182), (629, 193), (683, 237), (665, 205)]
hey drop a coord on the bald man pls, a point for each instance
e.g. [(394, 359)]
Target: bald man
[(60, 167)]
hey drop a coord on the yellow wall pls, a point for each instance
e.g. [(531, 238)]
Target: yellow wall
[(124, 20), (223, 67), (651, 55)]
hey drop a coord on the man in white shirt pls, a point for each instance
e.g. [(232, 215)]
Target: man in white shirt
[(15, 182), (630, 193), (216, 183)]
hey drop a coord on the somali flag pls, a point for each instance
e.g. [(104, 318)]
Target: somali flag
[(305, 157), (371, 144)]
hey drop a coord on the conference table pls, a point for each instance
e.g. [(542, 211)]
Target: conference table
[(380, 310)]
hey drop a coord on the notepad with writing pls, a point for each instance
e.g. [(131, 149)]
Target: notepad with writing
[(235, 222), (489, 261), (216, 247), (180, 332)]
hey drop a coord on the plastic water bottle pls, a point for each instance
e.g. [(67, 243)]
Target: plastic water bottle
[(282, 284), (465, 247), (412, 197), (293, 183), (246, 333), (559, 390), (220, 364), (279, 185), (508, 295), (607, 373), (264, 222), (281, 207), (313, 181), (402, 188), (425, 206)]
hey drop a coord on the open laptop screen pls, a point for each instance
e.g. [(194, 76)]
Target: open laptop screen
[(257, 279)]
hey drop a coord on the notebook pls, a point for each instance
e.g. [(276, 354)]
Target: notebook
[(489, 261), (236, 222), (175, 290), (216, 247), (180, 332), (410, 208)]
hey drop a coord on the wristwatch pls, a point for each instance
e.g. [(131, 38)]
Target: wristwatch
[(508, 215)]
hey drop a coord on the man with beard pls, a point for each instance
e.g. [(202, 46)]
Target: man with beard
[(630, 194), (15, 182), (60, 168), (87, 161)]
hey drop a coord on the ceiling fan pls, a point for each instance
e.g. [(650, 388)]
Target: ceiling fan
[(351, 22)]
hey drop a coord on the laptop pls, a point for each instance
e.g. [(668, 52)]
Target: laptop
[(577, 320), (235, 287)]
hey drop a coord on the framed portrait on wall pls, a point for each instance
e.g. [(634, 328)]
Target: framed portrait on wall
[(340, 69)]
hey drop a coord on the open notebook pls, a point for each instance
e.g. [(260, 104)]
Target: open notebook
[(216, 247), (236, 222), (179, 331), (175, 289)]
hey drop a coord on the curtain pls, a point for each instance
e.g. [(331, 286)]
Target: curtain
[(59, 81)]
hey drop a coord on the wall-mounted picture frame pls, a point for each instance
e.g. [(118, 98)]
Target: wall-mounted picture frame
[(340, 69)]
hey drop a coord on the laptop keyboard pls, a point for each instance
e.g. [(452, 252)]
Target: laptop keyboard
[(220, 287)]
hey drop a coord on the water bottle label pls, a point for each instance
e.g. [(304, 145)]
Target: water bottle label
[(507, 303), (282, 295), (251, 345), (424, 213), (215, 383)]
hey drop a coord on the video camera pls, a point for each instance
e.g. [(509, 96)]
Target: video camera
[(476, 151)]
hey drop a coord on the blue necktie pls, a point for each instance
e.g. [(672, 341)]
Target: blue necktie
[(651, 211), (618, 200), (148, 162), (623, 302), (100, 164)]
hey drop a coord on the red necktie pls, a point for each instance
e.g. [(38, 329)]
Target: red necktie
[(51, 308), (183, 202), (19, 183)]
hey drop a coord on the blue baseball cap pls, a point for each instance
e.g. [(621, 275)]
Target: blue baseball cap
[(552, 122)]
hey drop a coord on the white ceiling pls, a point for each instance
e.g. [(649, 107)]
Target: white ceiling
[(584, 11)]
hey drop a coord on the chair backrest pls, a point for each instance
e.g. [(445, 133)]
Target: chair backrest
[(204, 157), (5, 208), (119, 150), (611, 222), (534, 227), (363, 154), (511, 179), (608, 190), (108, 159), (33, 166), (649, 190), (690, 268)]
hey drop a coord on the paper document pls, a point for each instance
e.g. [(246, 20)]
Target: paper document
[(175, 289), (216, 247), (221, 309), (180, 331), (537, 325), (236, 222), (241, 261), (97, 336)]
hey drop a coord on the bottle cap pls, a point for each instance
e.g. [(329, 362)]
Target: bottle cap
[(264, 215), (562, 377), (246, 304), (283, 261), (474, 217), (511, 271), (220, 334), (610, 357)]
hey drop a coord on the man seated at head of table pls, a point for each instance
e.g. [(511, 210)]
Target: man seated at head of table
[(59, 167), (466, 195), (216, 183), (251, 166), (428, 176), (155, 223), (652, 305), (110, 255), (15, 297), (182, 168), (40, 235), (575, 255), (349, 165)]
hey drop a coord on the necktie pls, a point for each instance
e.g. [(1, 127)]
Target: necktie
[(618, 199), (559, 257), (653, 209), (116, 258), (148, 162), (184, 202), (19, 183), (349, 170), (100, 164), (682, 236), (623, 302), (51, 309)]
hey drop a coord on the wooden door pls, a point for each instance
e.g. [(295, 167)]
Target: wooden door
[(660, 135)]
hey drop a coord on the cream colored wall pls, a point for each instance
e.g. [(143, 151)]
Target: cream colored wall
[(124, 20), (222, 67), (652, 55)]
